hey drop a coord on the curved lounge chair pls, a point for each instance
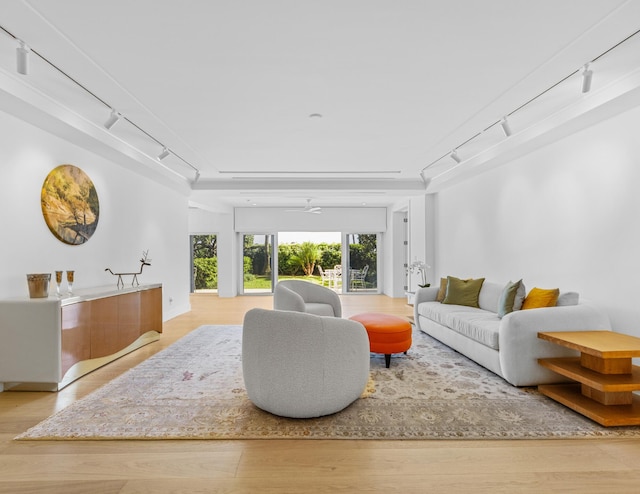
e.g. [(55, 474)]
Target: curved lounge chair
[(303, 296), (302, 365)]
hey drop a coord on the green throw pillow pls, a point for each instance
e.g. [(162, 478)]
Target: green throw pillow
[(442, 291), (463, 292), (507, 298)]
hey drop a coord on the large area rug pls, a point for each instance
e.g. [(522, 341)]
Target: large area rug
[(194, 390)]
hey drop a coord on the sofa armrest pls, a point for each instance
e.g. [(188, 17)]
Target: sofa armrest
[(520, 347), (427, 294)]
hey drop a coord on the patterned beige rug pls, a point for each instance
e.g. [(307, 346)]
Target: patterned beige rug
[(194, 390)]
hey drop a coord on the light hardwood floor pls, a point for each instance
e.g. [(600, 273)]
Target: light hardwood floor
[(291, 466)]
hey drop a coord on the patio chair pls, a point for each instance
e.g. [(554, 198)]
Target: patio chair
[(358, 277), (337, 275), (324, 276)]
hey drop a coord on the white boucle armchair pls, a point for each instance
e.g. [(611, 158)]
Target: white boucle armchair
[(302, 365), (303, 296)]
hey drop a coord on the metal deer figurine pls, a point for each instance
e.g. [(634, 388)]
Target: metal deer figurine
[(145, 261)]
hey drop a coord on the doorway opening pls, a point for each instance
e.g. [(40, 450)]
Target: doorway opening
[(362, 272), (346, 263), (258, 251), (311, 256), (204, 263)]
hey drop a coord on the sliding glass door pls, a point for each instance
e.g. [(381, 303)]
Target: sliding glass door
[(258, 261), (204, 263), (362, 257), (347, 267), (311, 256)]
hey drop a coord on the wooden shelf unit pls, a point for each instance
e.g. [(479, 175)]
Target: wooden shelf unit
[(605, 375)]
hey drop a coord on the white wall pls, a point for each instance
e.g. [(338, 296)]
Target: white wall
[(346, 220), (422, 236), (565, 216), (417, 233), (135, 215), (393, 256)]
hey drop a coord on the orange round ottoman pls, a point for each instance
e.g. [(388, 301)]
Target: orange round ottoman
[(387, 334)]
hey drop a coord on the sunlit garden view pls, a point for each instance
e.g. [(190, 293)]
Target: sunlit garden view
[(310, 261)]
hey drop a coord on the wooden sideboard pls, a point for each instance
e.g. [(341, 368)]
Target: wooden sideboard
[(45, 344)]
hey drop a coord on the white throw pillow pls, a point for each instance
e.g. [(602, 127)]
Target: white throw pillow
[(568, 298)]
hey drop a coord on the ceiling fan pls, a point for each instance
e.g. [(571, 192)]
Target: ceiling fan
[(307, 209)]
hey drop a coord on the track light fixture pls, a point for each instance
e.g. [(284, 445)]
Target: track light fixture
[(197, 176), (22, 58), (165, 152), (506, 128), (23, 53), (425, 179), (113, 119), (587, 75), (587, 79)]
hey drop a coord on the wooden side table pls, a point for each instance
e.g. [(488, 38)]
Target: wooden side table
[(605, 375)]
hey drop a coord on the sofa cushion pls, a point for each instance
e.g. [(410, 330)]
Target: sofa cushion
[(477, 324), (463, 292), (482, 326), (507, 298), (489, 296), (541, 297), (319, 309), (568, 298)]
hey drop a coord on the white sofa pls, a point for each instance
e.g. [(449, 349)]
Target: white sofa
[(509, 346)]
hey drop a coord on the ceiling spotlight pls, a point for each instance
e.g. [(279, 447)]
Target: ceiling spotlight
[(113, 119), (587, 75), (455, 157), (165, 152), (506, 128), (22, 58)]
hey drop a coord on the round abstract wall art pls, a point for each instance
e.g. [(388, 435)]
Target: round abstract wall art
[(70, 204)]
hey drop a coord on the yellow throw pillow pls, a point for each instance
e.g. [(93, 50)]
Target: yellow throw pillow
[(540, 297), (463, 292), (443, 290)]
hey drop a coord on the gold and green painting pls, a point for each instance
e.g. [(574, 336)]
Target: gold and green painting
[(70, 204)]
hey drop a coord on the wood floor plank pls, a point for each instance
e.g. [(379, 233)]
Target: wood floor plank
[(63, 487), (283, 466), (506, 482), (133, 465), (408, 462), (332, 484)]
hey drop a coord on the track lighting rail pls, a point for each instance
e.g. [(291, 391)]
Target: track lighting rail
[(587, 74), (24, 50)]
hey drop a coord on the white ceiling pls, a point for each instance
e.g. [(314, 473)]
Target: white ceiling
[(230, 85)]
